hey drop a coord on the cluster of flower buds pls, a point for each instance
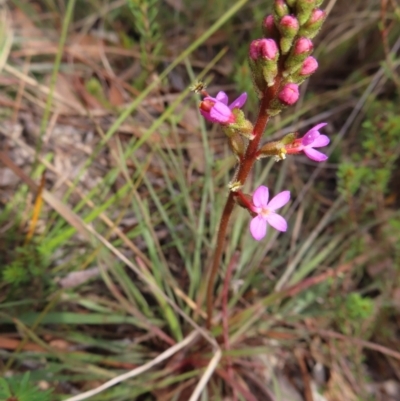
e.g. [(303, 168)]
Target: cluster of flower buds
[(282, 59)]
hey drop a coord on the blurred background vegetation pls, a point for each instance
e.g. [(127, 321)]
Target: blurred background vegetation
[(111, 188)]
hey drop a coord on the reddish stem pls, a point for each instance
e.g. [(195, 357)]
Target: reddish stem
[(245, 167), (225, 318)]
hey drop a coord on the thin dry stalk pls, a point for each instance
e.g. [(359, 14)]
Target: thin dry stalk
[(206, 376), (136, 372)]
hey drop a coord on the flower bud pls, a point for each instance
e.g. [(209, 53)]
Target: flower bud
[(313, 25), (303, 45), (309, 66), (281, 9), (256, 68), (289, 94), (299, 52), (254, 50), (263, 55), (268, 49), (269, 27), (317, 15), (288, 27), (289, 22)]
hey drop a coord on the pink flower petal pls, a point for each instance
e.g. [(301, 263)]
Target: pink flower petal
[(261, 196), (221, 113), (206, 115), (309, 138), (222, 97), (279, 200), (277, 221), (258, 228), (317, 127), (320, 141), (239, 102), (315, 155)]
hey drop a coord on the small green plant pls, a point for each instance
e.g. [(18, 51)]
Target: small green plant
[(144, 14), (17, 389), (368, 171)]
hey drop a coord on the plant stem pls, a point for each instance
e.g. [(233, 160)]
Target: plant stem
[(225, 318), (244, 169)]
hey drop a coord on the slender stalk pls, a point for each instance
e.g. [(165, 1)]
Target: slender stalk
[(225, 318), (245, 167)]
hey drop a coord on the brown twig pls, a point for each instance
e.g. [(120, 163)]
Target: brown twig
[(237, 386), (306, 376)]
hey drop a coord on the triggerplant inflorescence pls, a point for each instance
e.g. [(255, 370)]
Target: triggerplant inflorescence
[(280, 62)]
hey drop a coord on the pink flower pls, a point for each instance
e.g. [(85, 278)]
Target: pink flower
[(217, 110), (266, 212), (289, 94), (312, 139)]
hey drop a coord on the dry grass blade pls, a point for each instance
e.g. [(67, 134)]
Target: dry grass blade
[(206, 376), (135, 372), (36, 209), (6, 36)]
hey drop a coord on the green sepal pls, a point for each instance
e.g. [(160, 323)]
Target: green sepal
[(273, 149), (241, 126), (304, 9), (270, 70), (294, 62), (285, 44), (236, 142), (275, 107), (257, 77), (288, 139)]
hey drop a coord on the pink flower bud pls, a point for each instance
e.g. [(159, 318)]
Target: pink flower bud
[(269, 23), (309, 66), (289, 94), (303, 45), (289, 21), (268, 48), (317, 15), (254, 50), (281, 8)]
